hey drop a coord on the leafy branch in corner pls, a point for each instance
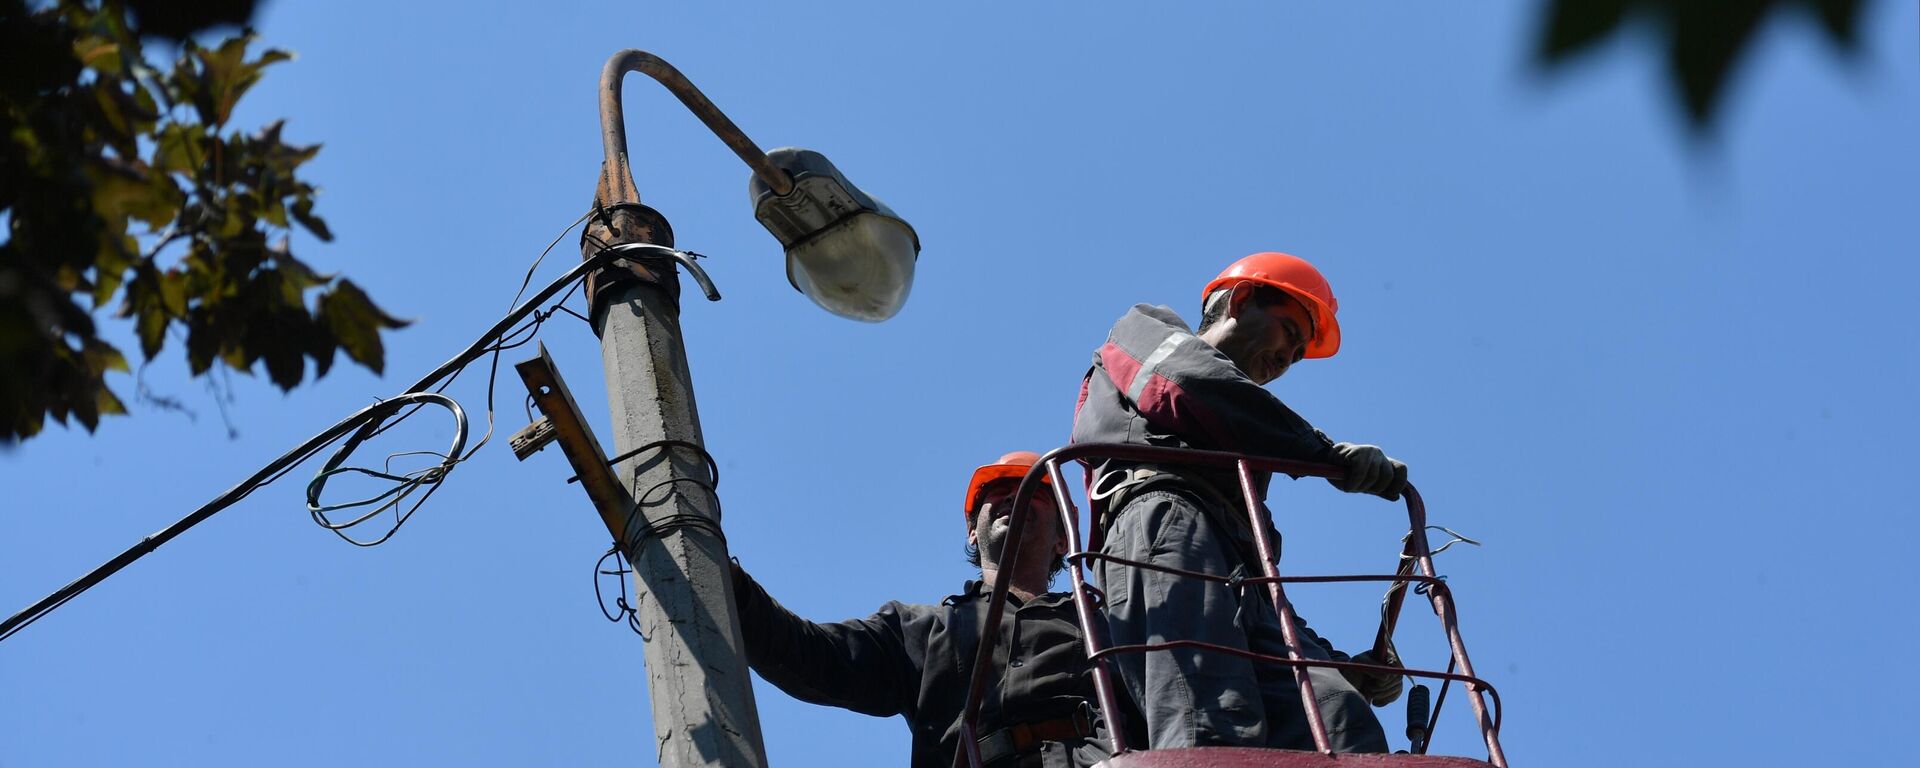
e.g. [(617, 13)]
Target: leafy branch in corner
[(121, 186)]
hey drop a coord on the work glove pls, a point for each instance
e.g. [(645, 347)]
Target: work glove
[(1370, 470), (1380, 689)]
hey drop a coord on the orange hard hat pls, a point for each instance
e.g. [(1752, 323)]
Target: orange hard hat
[(1301, 281), (1013, 465)]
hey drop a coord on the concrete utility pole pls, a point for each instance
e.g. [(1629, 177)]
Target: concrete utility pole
[(847, 252), (703, 707)]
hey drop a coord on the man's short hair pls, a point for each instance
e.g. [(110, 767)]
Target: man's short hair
[(1214, 308)]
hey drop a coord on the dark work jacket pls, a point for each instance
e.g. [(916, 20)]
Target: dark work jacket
[(1155, 383), (917, 661)]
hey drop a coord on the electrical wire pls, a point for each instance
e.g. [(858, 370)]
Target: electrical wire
[(656, 527), (1405, 568), (359, 427), (622, 610), (406, 484)]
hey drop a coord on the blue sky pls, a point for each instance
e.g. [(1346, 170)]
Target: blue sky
[(1670, 387)]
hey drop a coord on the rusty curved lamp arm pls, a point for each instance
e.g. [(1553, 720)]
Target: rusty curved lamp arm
[(616, 181)]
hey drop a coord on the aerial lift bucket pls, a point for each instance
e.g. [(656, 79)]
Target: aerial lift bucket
[(1415, 569)]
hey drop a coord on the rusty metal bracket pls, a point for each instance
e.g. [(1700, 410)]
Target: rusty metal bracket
[(616, 174), (620, 218), (576, 439)]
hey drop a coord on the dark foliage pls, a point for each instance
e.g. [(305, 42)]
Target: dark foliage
[(118, 182), (1705, 38)]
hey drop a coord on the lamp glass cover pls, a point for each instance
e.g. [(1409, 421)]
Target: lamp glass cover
[(859, 268)]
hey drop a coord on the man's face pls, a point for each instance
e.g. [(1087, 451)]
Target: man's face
[(991, 523), (1267, 339)]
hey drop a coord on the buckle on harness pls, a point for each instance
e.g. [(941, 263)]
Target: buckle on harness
[(1020, 739)]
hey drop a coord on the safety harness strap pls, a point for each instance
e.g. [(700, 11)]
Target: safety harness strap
[(1007, 745)]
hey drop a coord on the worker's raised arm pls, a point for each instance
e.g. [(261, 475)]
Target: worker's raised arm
[(859, 664), (1184, 387), (1153, 369)]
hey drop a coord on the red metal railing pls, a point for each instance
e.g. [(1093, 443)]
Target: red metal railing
[(1417, 556)]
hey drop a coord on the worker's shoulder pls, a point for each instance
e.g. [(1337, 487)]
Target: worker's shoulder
[(1159, 312), (917, 619), (1052, 600), (973, 590), (968, 595), (1151, 318)]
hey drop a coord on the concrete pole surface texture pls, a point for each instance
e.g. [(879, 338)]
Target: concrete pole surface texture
[(703, 706)]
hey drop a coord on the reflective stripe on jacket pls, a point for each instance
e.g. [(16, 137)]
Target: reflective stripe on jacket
[(1155, 383)]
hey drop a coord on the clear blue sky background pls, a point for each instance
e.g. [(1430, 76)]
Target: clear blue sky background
[(1671, 387)]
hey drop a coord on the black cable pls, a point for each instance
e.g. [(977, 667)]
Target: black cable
[(524, 282), (625, 610), (406, 484), (278, 466), (656, 527), (362, 425), (713, 467)]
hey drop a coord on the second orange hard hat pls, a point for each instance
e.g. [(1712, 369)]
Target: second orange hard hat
[(1298, 279), (1013, 465)]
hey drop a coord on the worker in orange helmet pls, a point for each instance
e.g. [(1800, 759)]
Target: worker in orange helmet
[(916, 660), (1155, 382)]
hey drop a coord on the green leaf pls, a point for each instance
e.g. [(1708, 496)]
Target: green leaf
[(122, 192), (303, 212), (231, 219), (105, 401), (87, 410), (106, 282), (320, 347), (275, 213), (293, 270), (149, 312), (173, 292), (356, 323), (110, 264), (225, 75), (204, 344), (236, 358), (149, 110), (1573, 25), (105, 357), (151, 323), (181, 148), (1707, 39), (285, 365)]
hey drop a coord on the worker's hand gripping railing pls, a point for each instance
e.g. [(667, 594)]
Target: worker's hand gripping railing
[(1416, 556)]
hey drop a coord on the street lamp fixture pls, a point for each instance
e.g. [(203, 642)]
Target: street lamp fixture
[(846, 250)]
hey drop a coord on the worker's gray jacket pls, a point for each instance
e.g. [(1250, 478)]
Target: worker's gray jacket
[(1155, 383), (917, 661)]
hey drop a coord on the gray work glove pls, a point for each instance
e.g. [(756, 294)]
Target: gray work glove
[(1379, 688), (1370, 470)]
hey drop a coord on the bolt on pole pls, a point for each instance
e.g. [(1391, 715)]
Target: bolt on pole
[(697, 679)]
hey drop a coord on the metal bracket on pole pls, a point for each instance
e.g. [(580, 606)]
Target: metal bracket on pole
[(562, 422)]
